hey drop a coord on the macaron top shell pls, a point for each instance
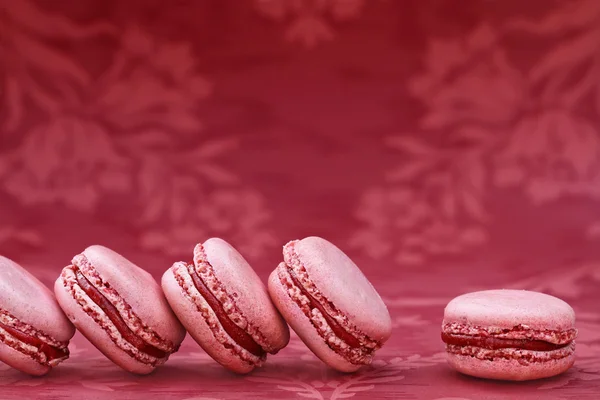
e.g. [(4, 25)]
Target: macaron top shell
[(31, 302), (252, 300), (342, 283), (138, 288), (506, 308)]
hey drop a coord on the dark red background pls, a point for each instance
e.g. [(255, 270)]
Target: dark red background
[(445, 145)]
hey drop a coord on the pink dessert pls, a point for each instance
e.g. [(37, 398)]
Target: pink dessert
[(225, 307), (34, 332), (509, 334), (120, 309), (330, 304)]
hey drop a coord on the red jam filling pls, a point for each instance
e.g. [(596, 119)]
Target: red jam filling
[(115, 317), (333, 324), (492, 343), (240, 336), (51, 352)]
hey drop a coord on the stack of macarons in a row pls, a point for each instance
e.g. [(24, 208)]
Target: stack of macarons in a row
[(217, 298), (225, 307)]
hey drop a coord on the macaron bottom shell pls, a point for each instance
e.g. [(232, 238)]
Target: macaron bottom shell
[(96, 335), (304, 327), (22, 362), (198, 328), (509, 370)]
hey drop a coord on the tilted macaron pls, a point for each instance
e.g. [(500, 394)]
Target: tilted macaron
[(120, 309), (329, 303), (509, 334), (225, 307), (34, 332)]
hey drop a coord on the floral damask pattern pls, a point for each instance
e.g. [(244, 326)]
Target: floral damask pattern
[(465, 158), (309, 20), (132, 130), (490, 123)]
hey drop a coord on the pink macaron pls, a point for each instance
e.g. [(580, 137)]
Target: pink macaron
[(225, 307), (34, 332), (330, 304), (120, 309), (514, 335)]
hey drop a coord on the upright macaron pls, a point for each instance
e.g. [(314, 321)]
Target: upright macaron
[(330, 304), (512, 335), (225, 307), (120, 309), (34, 332)]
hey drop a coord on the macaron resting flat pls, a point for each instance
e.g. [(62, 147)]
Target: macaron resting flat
[(120, 309), (330, 304), (34, 332), (225, 307), (514, 335)]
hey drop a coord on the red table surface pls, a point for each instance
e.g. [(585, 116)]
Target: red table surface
[(447, 146)]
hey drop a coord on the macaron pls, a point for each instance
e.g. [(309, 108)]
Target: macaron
[(330, 304), (120, 309), (225, 307), (34, 332), (513, 335)]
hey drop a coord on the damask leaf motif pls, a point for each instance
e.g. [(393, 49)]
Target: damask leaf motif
[(411, 145), (216, 174), (25, 14), (473, 205), (475, 177), (6, 163), (453, 398), (147, 139), (566, 56), (474, 135), (578, 376), (508, 174), (104, 386), (133, 95), (183, 121), (565, 283), (274, 9), (13, 99), (137, 41), (365, 381), (490, 92), (581, 143), (214, 148), (593, 230), (32, 383), (568, 15), (409, 257), (201, 398), (473, 236), (199, 87), (309, 31), (296, 386), (597, 97), (23, 235), (346, 9), (280, 9), (409, 321), (448, 201), (408, 171), (154, 182), (49, 59)]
